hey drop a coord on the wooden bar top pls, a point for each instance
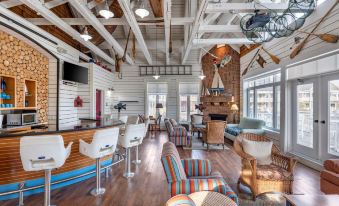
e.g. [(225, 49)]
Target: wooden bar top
[(43, 129), (11, 170)]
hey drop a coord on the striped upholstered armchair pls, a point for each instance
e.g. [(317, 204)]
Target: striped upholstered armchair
[(191, 175), (177, 133)]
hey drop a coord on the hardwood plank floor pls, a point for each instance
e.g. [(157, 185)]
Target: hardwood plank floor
[(149, 185)]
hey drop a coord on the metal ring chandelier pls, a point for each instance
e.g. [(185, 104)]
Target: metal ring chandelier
[(263, 27)]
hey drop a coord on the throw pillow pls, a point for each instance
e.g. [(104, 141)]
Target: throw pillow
[(197, 119), (259, 150)]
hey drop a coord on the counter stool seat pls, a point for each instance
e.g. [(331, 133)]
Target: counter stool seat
[(132, 137), (104, 143), (44, 153)]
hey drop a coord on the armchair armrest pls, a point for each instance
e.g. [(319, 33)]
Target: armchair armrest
[(283, 161), (178, 131), (197, 167), (232, 125), (195, 185), (254, 131), (68, 149)]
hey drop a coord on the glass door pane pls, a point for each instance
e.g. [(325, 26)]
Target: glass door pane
[(333, 113), (151, 105), (264, 106), (183, 108), (193, 102), (305, 115), (162, 100)]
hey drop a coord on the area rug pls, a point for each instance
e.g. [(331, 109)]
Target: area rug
[(197, 145)]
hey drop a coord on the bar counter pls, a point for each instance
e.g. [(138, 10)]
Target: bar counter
[(12, 172)]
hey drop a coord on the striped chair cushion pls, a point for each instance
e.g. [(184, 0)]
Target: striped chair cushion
[(194, 185), (197, 167), (172, 164), (180, 200)]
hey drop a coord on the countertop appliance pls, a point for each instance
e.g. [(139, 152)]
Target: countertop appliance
[(21, 119)]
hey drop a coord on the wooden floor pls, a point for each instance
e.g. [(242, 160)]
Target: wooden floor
[(149, 186)]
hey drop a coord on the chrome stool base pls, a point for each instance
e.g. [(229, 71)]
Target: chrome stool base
[(128, 174), (137, 161), (97, 192)]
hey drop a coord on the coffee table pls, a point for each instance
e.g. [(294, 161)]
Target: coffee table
[(312, 200), (203, 198)]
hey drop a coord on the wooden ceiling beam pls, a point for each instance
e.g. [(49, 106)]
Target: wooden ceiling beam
[(181, 21), (82, 8), (135, 28), (53, 18), (195, 28), (54, 3), (10, 3), (225, 7), (220, 28), (204, 42)]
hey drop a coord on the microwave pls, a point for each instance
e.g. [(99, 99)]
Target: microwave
[(21, 119)]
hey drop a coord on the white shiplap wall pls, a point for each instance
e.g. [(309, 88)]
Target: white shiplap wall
[(132, 87), (98, 79)]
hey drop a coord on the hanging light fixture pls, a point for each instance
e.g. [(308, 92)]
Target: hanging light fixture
[(202, 76), (105, 12), (156, 76), (85, 35), (141, 9)]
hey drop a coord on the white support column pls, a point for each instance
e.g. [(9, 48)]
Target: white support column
[(198, 19), (135, 28), (50, 16), (167, 20), (91, 18)]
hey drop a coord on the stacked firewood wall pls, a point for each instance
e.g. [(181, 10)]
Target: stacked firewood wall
[(22, 61)]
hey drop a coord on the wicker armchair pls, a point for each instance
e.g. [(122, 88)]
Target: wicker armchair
[(276, 177), (214, 133)]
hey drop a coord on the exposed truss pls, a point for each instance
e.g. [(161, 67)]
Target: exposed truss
[(50, 16)]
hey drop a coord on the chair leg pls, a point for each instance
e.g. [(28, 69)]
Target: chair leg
[(207, 147), (128, 173), (98, 190), (223, 147), (47, 200), (137, 160)]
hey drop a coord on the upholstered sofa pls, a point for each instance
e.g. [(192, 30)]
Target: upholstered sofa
[(186, 176), (177, 133), (246, 125), (329, 177)]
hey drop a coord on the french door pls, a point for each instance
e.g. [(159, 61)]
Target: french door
[(315, 122), (305, 117)]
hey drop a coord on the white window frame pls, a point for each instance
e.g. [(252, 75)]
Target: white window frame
[(188, 100), (274, 85)]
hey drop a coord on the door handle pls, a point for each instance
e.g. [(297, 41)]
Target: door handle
[(323, 122), (316, 121)]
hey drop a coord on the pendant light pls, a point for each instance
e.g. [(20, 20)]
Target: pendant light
[(202, 76), (156, 76), (141, 9), (105, 12), (85, 35)]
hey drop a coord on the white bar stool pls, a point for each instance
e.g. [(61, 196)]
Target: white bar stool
[(44, 153), (103, 143), (137, 160), (132, 137)]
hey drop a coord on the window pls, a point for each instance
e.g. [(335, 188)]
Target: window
[(263, 99), (156, 94), (188, 97)]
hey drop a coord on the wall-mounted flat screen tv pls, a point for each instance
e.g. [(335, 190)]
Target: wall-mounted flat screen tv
[(75, 73)]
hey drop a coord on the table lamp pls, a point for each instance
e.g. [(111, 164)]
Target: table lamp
[(234, 109)]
